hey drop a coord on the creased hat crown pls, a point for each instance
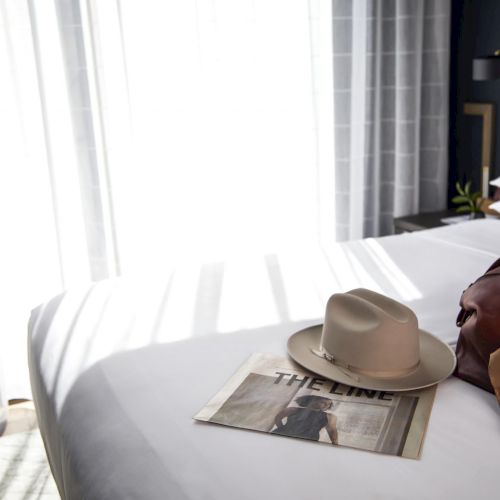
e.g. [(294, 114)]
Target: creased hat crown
[(371, 333)]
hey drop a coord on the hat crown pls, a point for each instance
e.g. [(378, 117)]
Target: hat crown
[(371, 332)]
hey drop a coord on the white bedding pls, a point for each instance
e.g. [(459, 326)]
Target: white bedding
[(119, 368)]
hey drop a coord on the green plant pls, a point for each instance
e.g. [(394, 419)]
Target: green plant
[(469, 202)]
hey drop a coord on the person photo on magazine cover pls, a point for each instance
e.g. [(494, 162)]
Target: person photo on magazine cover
[(308, 420)]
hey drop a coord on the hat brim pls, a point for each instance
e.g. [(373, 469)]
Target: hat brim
[(437, 362)]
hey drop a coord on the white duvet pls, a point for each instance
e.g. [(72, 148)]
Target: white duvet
[(119, 368)]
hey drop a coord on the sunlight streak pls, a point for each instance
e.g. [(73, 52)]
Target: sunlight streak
[(301, 291), (394, 274), (250, 305)]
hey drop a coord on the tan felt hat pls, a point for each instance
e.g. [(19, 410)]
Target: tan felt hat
[(371, 341)]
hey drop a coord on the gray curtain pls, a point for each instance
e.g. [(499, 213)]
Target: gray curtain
[(390, 111)]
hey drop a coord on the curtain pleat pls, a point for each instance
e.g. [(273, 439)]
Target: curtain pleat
[(391, 116)]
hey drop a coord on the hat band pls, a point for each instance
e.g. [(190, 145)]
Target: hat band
[(322, 353)]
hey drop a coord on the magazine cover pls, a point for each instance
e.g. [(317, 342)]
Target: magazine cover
[(275, 395)]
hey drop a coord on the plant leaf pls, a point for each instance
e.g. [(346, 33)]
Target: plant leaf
[(459, 189), (467, 187), (475, 196), (463, 209), (460, 199)]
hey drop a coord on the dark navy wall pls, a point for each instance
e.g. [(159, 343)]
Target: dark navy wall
[(475, 32)]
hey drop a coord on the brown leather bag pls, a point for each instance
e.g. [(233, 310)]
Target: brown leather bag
[(479, 322)]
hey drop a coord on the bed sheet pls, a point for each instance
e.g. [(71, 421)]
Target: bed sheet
[(118, 369)]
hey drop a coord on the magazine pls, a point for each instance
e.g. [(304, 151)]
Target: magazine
[(275, 395)]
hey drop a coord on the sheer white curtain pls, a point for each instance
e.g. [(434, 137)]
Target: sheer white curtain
[(391, 60), (194, 126), (222, 152), (29, 258), (140, 134)]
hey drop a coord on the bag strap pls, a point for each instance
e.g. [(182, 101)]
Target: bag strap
[(465, 314)]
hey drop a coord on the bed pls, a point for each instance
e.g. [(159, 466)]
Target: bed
[(119, 368)]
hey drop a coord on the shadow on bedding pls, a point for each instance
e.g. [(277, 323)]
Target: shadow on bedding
[(126, 424)]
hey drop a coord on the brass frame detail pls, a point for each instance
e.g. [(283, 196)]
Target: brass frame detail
[(487, 112)]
